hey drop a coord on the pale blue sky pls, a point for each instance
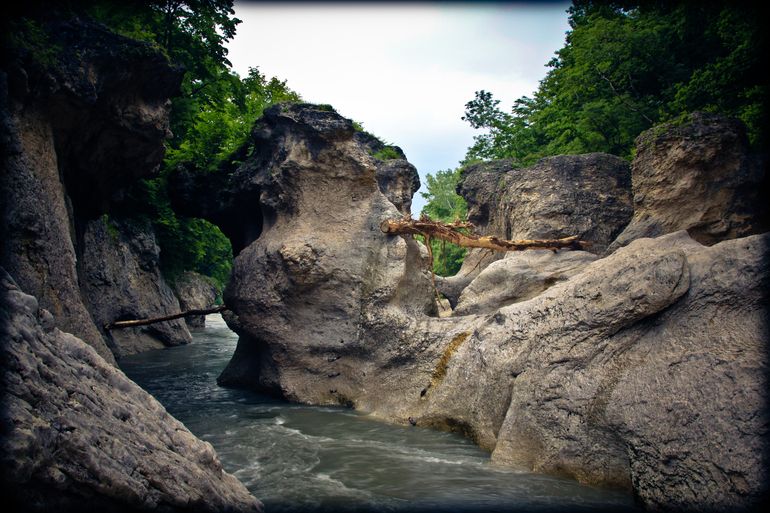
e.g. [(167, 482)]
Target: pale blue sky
[(403, 70)]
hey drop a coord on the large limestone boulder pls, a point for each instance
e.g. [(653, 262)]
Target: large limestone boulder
[(77, 435), (300, 290), (196, 292), (699, 175), (121, 279), (646, 372)]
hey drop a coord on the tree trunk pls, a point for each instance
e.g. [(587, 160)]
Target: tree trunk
[(142, 322), (450, 233)]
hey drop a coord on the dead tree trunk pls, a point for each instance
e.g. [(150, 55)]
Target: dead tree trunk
[(142, 322), (450, 232)]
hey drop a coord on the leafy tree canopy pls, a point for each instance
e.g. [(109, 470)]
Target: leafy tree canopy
[(625, 67), (211, 120)]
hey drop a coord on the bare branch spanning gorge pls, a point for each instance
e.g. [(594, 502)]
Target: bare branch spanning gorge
[(142, 322), (450, 232)]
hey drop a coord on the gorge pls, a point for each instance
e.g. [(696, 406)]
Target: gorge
[(639, 365)]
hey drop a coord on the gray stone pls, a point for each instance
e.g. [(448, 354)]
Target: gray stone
[(519, 277), (122, 281), (321, 260), (195, 292), (701, 176), (672, 406), (75, 133), (80, 436), (587, 195)]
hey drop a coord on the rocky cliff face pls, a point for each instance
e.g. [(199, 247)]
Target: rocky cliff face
[(196, 292), (80, 436), (77, 435), (643, 370), (121, 281), (699, 175), (75, 132)]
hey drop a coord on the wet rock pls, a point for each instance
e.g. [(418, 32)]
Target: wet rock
[(80, 436), (698, 175), (122, 281)]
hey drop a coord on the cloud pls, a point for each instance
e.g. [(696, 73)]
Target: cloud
[(403, 70)]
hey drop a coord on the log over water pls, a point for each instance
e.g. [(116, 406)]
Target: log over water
[(142, 322)]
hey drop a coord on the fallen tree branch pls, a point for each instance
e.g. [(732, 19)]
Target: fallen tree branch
[(450, 233), (142, 322)]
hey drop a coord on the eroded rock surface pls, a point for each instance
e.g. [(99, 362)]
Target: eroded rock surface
[(122, 281), (77, 435), (519, 278), (617, 371), (673, 405), (701, 176), (320, 262), (75, 132), (196, 292), (587, 195)]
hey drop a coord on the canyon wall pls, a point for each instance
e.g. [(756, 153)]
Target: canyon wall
[(644, 370), (77, 129), (80, 119)]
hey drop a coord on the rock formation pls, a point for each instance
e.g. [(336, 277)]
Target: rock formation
[(699, 175), (122, 281), (587, 195), (643, 370), (77, 435), (80, 436), (196, 292), (75, 132)]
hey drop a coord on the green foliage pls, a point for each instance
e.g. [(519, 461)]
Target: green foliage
[(386, 153), (27, 34), (211, 120), (625, 67), (444, 204), (187, 244)]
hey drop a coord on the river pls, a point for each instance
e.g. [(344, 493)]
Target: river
[(297, 458)]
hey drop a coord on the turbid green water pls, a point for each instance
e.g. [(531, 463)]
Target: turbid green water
[(316, 458)]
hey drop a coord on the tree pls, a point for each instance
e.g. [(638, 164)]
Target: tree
[(625, 67), (211, 120), (444, 204)]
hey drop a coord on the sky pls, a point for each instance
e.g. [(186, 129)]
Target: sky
[(403, 70)]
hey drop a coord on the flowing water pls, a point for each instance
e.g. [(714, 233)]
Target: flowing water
[(322, 458)]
